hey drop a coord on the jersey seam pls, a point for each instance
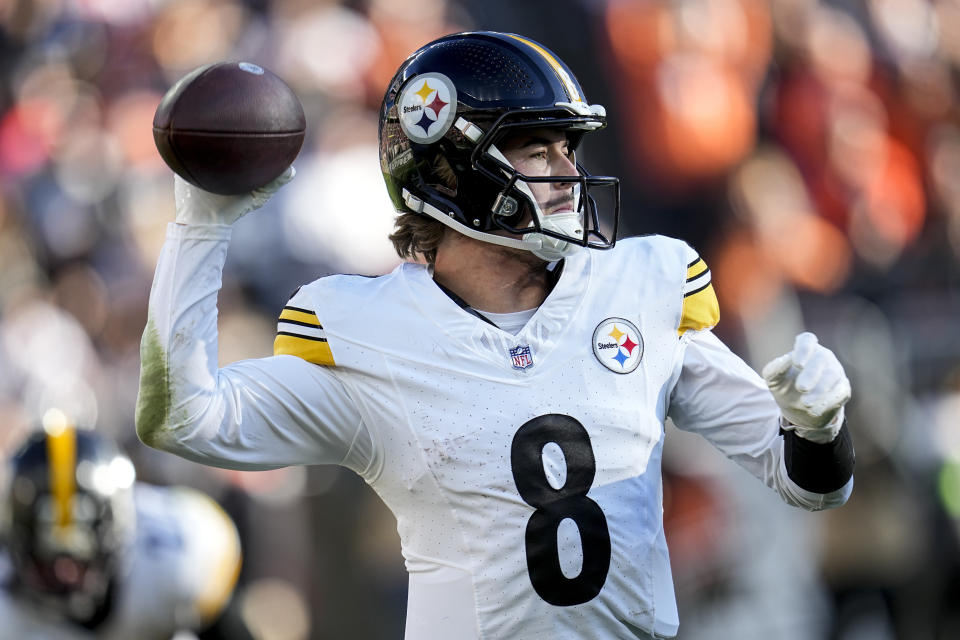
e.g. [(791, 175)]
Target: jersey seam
[(376, 449), (445, 495), (304, 293)]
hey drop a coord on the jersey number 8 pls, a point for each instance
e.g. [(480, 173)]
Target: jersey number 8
[(556, 505)]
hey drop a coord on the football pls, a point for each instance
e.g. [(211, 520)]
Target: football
[(229, 127)]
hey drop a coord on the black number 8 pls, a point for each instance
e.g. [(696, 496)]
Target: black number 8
[(555, 505)]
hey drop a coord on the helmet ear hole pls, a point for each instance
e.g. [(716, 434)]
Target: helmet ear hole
[(520, 220), (506, 207)]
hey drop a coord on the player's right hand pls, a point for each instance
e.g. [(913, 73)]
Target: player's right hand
[(196, 206)]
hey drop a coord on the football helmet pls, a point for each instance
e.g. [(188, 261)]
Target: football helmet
[(446, 110), (70, 516)]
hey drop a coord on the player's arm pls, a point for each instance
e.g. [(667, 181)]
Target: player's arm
[(253, 414), (722, 398)]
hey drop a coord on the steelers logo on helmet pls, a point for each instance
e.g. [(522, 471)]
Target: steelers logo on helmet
[(618, 345), (427, 107)]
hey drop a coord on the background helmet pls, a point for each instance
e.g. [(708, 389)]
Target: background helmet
[(70, 515), (445, 111)]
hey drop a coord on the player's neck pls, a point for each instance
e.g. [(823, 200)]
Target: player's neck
[(489, 277)]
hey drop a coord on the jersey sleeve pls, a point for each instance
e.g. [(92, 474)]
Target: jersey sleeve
[(718, 396), (700, 307), (254, 414), (299, 332)]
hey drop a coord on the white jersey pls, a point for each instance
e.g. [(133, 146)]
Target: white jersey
[(181, 570), (523, 470)]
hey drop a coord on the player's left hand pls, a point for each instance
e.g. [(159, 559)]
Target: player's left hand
[(811, 388)]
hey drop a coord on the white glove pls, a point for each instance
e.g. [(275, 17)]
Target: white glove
[(811, 388), (196, 206)]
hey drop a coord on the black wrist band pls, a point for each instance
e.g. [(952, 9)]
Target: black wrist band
[(820, 468)]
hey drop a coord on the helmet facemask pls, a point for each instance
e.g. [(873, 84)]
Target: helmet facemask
[(549, 236)]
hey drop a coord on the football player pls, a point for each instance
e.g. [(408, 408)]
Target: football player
[(505, 390), (89, 553)]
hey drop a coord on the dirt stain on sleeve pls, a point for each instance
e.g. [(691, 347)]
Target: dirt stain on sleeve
[(154, 396)]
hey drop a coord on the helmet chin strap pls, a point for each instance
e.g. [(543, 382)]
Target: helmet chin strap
[(418, 205), (551, 248)]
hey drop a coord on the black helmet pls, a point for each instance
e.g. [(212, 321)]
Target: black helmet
[(70, 515), (447, 108)]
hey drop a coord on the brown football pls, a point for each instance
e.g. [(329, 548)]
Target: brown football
[(229, 127)]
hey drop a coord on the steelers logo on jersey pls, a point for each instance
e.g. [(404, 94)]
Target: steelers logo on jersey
[(618, 345), (427, 107)]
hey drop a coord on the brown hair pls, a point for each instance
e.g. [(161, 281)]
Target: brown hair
[(417, 236)]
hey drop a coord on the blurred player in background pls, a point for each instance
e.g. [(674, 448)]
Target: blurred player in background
[(90, 553), (505, 391)]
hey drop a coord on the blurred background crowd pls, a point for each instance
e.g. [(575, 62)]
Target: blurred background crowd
[(810, 150)]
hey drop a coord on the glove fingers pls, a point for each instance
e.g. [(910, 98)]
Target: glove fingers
[(830, 400), (259, 197), (279, 181), (775, 370), (829, 379), (824, 370), (804, 346), (810, 375)]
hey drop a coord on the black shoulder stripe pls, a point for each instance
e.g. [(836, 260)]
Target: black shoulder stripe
[(301, 324), (297, 335), (695, 291), (301, 310)]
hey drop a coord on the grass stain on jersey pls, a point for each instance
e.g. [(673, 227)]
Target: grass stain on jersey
[(154, 397)]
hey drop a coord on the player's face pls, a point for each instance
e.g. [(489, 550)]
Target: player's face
[(544, 152)]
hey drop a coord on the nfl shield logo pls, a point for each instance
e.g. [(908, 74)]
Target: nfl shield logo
[(521, 357)]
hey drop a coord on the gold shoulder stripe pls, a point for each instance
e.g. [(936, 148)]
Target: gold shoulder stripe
[(700, 310), (299, 316), (311, 349), (695, 269)]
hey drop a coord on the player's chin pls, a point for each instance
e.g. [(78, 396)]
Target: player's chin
[(523, 256)]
